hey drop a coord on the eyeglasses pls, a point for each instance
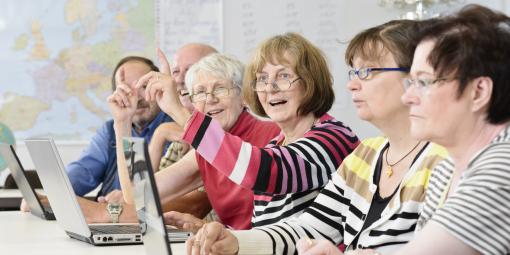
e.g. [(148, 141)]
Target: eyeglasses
[(422, 85), (259, 85), (364, 73), (183, 93), (220, 92)]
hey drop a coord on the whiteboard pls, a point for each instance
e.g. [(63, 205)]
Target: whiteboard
[(183, 21), (236, 27)]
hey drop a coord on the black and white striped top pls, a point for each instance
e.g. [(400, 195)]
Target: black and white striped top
[(340, 210), (478, 212)]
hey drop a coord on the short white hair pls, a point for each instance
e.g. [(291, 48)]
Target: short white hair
[(217, 65)]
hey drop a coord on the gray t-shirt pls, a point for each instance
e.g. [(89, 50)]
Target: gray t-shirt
[(478, 212)]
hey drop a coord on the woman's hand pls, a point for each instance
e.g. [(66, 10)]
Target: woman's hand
[(161, 87), (325, 247), (163, 62), (212, 238), (317, 247), (183, 221), (362, 252)]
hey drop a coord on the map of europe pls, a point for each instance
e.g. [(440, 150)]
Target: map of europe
[(57, 58)]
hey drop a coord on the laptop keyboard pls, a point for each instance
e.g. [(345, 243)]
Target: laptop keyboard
[(115, 229)]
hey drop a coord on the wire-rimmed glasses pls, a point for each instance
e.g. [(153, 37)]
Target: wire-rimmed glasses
[(259, 85), (364, 73), (220, 92), (422, 84)]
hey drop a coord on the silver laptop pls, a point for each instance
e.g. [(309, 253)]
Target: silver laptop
[(62, 198), (37, 207), (157, 237)]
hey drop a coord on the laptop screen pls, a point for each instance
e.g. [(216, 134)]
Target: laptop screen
[(18, 174), (148, 206)]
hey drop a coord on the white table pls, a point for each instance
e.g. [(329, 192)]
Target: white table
[(23, 233)]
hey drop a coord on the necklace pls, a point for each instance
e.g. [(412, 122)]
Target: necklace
[(284, 143), (389, 171)]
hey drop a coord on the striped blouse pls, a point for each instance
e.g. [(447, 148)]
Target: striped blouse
[(285, 179), (339, 212), (478, 212)]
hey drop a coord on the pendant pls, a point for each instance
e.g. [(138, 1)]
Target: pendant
[(389, 171)]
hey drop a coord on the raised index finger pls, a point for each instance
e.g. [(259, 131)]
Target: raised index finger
[(163, 61), (120, 76)]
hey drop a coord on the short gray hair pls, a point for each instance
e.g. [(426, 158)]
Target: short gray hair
[(218, 65)]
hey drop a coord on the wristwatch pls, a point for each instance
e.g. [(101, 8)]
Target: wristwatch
[(114, 210)]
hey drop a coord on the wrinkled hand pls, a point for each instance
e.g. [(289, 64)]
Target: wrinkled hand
[(112, 197), (161, 87), (212, 238), (317, 247), (183, 221), (163, 62), (363, 252), (123, 102)]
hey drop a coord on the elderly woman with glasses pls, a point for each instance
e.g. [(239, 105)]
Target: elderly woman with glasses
[(215, 82), (288, 80), (458, 97), (376, 195)]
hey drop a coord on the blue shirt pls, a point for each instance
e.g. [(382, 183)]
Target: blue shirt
[(98, 162)]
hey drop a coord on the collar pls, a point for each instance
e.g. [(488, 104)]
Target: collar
[(323, 118), (502, 137), (244, 123), (160, 118)]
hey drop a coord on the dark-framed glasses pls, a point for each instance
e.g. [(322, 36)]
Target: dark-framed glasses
[(422, 84), (260, 84), (365, 72), (219, 92)]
